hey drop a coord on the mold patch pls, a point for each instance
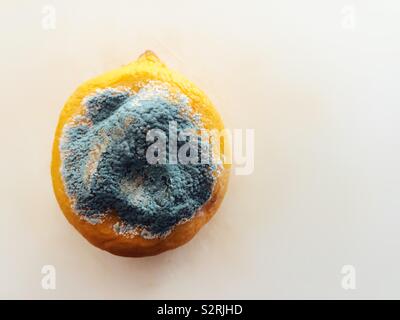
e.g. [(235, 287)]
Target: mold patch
[(104, 165)]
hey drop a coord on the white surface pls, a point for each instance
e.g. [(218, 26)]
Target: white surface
[(323, 99)]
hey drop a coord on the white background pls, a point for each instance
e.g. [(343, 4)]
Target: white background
[(321, 93)]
